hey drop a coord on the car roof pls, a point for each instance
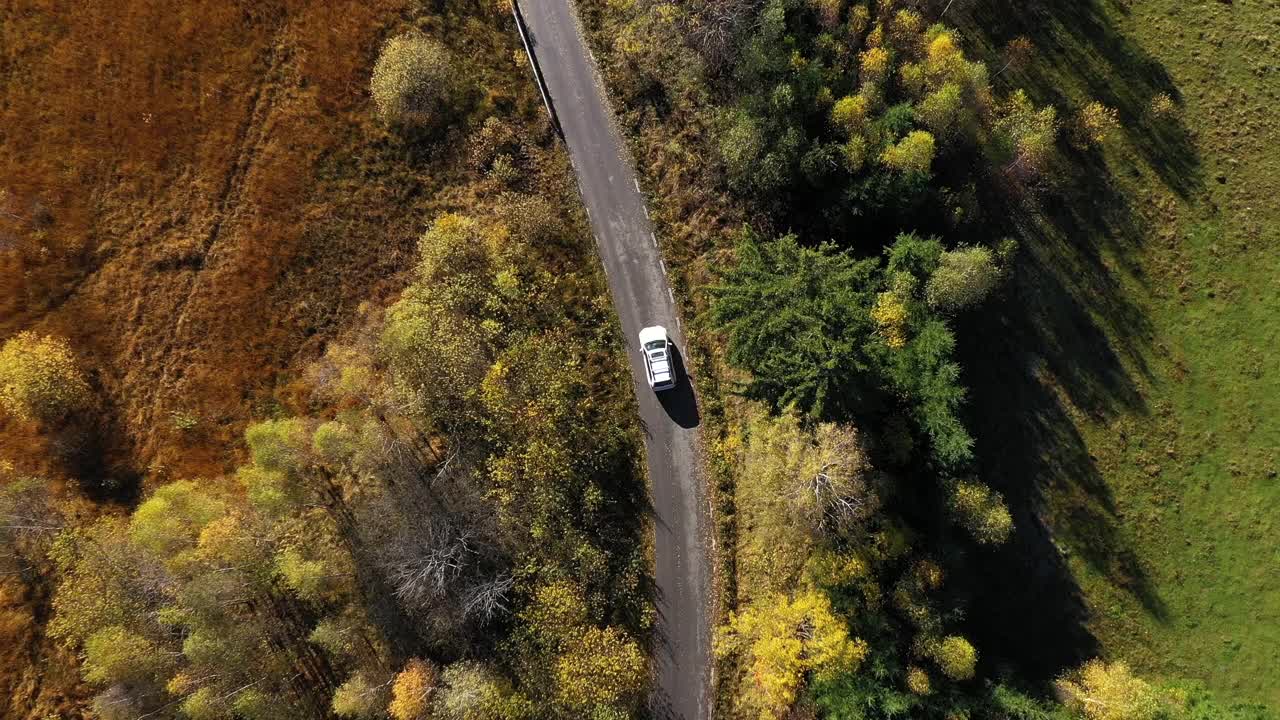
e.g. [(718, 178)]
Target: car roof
[(661, 369), (652, 333)]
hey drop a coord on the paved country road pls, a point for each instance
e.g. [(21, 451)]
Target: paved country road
[(638, 283)]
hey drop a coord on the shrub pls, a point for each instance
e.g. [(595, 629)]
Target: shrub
[(1163, 107), (964, 277), (1101, 691), (783, 642), (359, 697), (39, 379), (914, 153), (411, 692), (918, 681), (957, 657), (414, 81), (982, 512), (1093, 124)]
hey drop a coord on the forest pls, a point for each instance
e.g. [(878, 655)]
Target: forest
[(314, 402)]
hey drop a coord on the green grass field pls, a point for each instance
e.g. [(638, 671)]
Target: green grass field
[(1135, 403)]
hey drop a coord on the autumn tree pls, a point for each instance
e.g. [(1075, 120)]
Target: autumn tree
[(414, 81), (783, 641), (600, 670), (360, 697), (964, 277), (30, 519), (412, 691), (914, 153), (471, 691), (982, 512), (1094, 124), (1029, 133), (956, 657), (1109, 691), (39, 379)]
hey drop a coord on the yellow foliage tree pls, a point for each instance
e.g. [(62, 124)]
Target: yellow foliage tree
[(918, 681), (1094, 123), (850, 113), (956, 656), (982, 512), (783, 640), (1109, 691), (914, 153), (601, 669), (414, 80), (412, 690), (875, 65), (890, 317), (39, 379)]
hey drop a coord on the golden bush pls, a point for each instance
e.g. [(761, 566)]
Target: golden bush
[(39, 378), (414, 80)]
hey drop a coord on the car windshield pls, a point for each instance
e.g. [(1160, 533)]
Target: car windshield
[(655, 345)]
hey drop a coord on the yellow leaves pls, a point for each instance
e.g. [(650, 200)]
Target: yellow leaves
[(782, 640), (413, 80), (940, 109), (593, 667), (1162, 107), (943, 58), (890, 316), (982, 511), (918, 681), (834, 569), (914, 153), (600, 668), (1102, 691), (171, 520), (115, 654), (956, 656), (1094, 123), (905, 31), (453, 244), (850, 113), (875, 65), (39, 379), (855, 153), (412, 690)]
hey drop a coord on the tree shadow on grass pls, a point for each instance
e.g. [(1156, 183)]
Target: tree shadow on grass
[(1079, 50), (1033, 363), (1066, 345)]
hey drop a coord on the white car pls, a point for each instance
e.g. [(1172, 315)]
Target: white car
[(655, 346)]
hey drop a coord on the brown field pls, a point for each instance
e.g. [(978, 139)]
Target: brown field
[(198, 196)]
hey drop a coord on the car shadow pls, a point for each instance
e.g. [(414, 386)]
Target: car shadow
[(680, 402)]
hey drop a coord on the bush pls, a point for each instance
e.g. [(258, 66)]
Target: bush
[(964, 277), (982, 512), (914, 153), (414, 81), (1101, 691), (1094, 123), (957, 657), (411, 693), (359, 697), (39, 379)]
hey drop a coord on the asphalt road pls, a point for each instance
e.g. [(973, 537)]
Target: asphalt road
[(642, 296)]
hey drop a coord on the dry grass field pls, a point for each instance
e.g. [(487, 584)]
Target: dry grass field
[(198, 196)]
